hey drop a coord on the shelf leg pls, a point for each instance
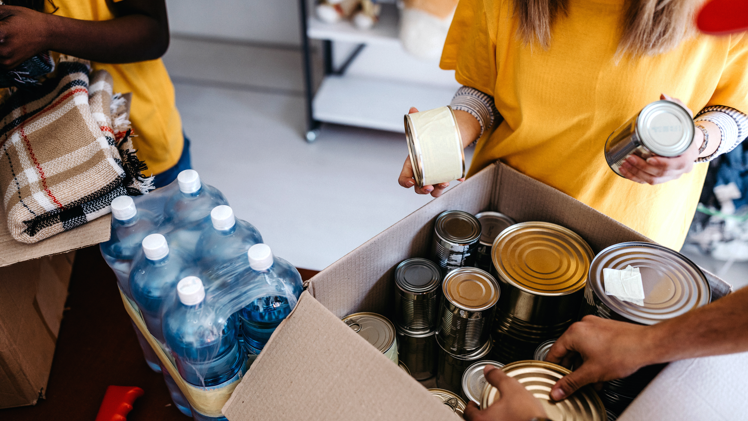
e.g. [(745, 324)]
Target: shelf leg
[(312, 125)]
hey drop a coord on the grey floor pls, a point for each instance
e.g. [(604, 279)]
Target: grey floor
[(242, 107)]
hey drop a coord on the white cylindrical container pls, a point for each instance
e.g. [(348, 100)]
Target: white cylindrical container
[(435, 146)]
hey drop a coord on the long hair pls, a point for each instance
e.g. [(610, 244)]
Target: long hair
[(648, 27)]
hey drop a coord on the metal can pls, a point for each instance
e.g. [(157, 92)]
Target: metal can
[(435, 146), (473, 381), (661, 128), (539, 377), (456, 235), (451, 366), (418, 351), (403, 367), (467, 310), (542, 269), (451, 400), (417, 294), (377, 330), (492, 224), (542, 350)]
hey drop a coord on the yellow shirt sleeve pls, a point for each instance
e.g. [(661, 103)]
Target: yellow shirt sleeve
[(470, 48), (732, 88)]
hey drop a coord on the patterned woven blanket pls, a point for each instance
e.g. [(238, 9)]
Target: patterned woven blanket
[(65, 153)]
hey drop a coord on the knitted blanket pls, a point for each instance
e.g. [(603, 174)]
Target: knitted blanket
[(65, 153)]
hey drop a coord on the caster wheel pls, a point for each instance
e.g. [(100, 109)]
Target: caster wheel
[(312, 135)]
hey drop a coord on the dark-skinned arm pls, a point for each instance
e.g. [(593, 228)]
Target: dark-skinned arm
[(139, 32)]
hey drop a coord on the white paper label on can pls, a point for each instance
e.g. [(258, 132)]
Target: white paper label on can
[(626, 285), (440, 145)]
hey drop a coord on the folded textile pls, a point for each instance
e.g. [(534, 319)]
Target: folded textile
[(65, 153), (28, 74)]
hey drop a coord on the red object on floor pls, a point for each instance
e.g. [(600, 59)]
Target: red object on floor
[(118, 402), (723, 17)]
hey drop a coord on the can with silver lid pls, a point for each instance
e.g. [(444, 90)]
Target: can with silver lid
[(492, 224), (539, 377), (450, 399), (473, 381), (542, 268), (456, 235), (418, 351), (435, 146), (661, 128), (452, 366), (467, 310), (542, 350), (417, 294), (377, 330)]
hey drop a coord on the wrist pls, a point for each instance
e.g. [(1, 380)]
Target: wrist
[(654, 340), (50, 32)]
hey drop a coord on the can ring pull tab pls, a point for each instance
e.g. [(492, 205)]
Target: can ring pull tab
[(353, 325), (452, 403)]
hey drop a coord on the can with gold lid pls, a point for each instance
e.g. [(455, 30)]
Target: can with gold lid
[(418, 351), (450, 399), (377, 330), (538, 377), (543, 269), (456, 235), (417, 294), (434, 146), (451, 367), (467, 311), (473, 381), (492, 224)]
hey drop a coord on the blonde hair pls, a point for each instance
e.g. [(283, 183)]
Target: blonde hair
[(648, 27)]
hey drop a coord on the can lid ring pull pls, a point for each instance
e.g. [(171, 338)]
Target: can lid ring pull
[(353, 325), (452, 403)]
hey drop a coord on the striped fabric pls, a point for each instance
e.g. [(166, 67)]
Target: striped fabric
[(733, 126), (65, 153), (478, 104)]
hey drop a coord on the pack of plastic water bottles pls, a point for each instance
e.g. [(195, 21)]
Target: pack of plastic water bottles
[(204, 292)]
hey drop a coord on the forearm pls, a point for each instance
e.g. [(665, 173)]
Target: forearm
[(469, 127)]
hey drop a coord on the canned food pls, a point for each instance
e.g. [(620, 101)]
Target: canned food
[(539, 377), (377, 330), (661, 128), (467, 310), (418, 351), (492, 224), (435, 146), (451, 400), (473, 381), (456, 235), (542, 269), (452, 366), (403, 367), (417, 294), (542, 350)]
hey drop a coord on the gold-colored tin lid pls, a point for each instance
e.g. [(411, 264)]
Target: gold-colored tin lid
[(375, 328), (673, 285), (539, 377), (473, 381), (471, 289), (492, 224), (418, 275), (450, 399), (542, 258), (403, 367), (458, 227)]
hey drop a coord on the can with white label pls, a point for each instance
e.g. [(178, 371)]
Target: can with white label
[(435, 146)]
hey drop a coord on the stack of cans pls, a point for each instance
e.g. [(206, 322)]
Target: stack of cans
[(417, 297), (456, 235), (543, 269), (466, 315), (673, 285), (492, 224), (377, 330)]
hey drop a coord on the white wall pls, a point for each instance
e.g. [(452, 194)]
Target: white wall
[(262, 21)]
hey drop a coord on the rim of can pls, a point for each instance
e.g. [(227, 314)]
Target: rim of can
[(492, 224), (414, 147), (667, 112), (417, 275), (473, 376), (459, 227), (542, 350), (481, 293), (413, 334), (449, 399), (473, 356), (673, 284), (538, 377), (542, 258), (403, 367), (374, 328)]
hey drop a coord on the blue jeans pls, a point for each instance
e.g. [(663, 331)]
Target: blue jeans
[(184, 163)]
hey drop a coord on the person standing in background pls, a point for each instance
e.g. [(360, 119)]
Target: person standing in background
[(124, 37)]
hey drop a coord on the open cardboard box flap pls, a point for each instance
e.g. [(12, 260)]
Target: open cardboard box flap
[(316, 368)]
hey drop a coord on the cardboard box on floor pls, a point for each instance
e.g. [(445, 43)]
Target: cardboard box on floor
[(316, 368), (33, 288)]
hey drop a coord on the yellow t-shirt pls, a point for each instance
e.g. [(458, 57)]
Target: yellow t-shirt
[(153, 112), (561, 104)]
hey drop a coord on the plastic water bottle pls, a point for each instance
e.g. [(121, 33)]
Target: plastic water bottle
[(188, 211), (129, 226), (226, 240), (275, 286), (204, 345)]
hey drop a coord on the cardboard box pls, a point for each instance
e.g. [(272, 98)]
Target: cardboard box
[(33, 288), (316, 368)]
